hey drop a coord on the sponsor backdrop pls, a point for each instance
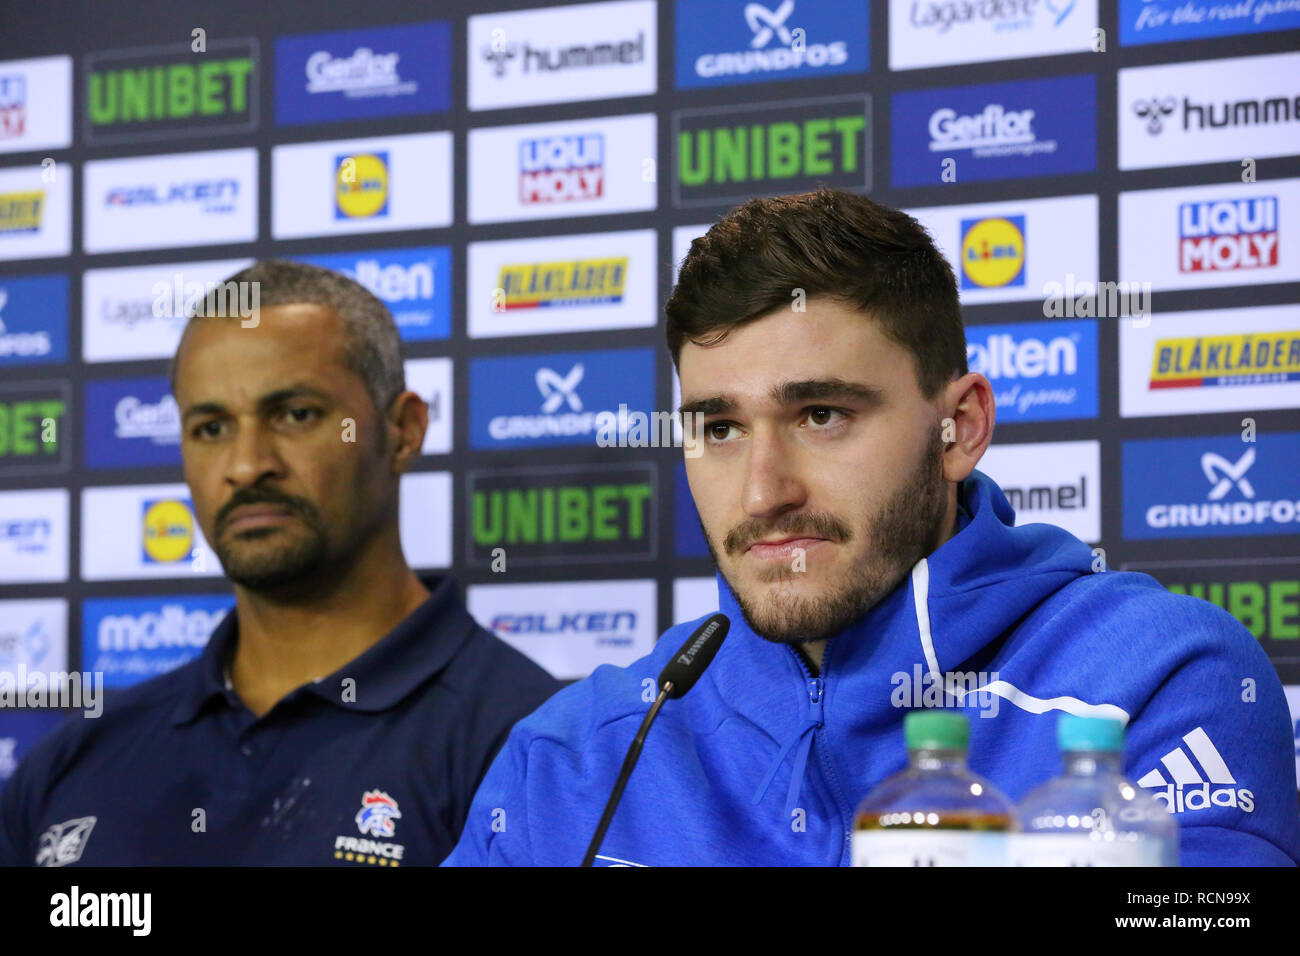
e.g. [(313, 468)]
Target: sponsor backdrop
[(1117, 186)]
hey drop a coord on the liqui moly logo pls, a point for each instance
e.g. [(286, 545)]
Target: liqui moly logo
[(1227, 234)]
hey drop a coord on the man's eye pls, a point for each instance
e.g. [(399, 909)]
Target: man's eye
[(301, 415), (823, 416), (207, 429), (719, 431)]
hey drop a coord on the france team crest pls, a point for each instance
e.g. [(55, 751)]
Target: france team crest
[(377, 813)]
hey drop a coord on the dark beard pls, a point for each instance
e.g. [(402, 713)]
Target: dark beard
[(906, 528), (293, 565)]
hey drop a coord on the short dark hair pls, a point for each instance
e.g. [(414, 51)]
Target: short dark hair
[(828, 243), (372, 346)]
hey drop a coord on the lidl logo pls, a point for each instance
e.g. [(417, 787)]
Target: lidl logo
[(21, 211), (1231, 359), (993, 252), (361, 186), (168, 530)]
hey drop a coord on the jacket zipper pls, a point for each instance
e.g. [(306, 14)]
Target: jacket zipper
[(816, 688)]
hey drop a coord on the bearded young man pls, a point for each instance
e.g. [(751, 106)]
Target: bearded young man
[(344, 712), (856, 543)]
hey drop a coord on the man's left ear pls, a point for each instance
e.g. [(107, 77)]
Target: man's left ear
[(968, 429), (408, 414)]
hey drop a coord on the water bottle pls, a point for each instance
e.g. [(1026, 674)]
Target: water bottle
[(936, 812), (1091, 815)]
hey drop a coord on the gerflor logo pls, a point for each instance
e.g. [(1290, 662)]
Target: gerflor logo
[(1187, 788)]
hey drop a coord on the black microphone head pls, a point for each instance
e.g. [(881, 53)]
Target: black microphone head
[(696, 654)]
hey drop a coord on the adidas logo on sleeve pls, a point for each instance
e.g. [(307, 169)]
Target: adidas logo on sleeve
[(1187, 788)]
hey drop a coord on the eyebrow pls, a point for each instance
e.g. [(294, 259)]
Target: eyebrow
[(791, 393), (268, 401)]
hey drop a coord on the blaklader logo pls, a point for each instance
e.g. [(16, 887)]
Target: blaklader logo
[(1189, 790)]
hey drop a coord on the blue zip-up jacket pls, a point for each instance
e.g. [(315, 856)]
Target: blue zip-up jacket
[(763, 763)]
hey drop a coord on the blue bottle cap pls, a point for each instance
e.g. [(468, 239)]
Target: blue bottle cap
[(1090, 733)]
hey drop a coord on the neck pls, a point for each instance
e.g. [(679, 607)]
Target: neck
[(287, 642)]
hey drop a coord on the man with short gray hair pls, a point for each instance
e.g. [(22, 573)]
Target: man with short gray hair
[(346, 709)]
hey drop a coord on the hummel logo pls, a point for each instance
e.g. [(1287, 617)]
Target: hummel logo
[(1154, 111), (558, 390), (1189, 789), (1231, 473)]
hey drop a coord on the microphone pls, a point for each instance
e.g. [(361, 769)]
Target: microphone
[(675, 680)]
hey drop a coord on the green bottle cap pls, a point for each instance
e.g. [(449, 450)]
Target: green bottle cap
[(936, 730), (1090, 733)]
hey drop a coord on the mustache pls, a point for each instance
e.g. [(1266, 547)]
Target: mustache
[(812, 524), (265, 496)]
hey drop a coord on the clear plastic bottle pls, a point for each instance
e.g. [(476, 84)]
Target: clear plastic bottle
[(1091, 815), (936, 812)]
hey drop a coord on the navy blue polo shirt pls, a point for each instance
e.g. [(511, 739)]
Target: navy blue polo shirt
[(177, 771)]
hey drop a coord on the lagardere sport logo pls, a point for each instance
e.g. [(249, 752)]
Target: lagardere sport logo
[(738, 41), (1214, 486), (184, 89), (563, 515), (784, 146)]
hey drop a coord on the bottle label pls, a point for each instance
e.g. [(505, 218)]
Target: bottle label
[(1071, 849), (907, 847)]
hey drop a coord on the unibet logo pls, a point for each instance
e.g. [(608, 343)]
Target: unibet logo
[(563, 515), (993, 252), (20, 428), (168, 531), (1189, 790), (177, 91), (726, 155), (1268, 609), (167, 91), (770, 151), (361, 186)]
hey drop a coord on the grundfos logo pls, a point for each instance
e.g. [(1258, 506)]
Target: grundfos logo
[(1187, 789)]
